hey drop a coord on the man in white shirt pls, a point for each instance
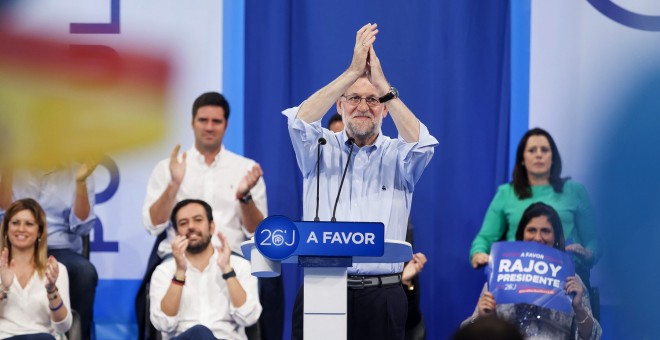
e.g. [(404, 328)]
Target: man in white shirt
[(231, 184), (202, 293)]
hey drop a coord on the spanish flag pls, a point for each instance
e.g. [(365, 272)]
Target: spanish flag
[(63, 102)]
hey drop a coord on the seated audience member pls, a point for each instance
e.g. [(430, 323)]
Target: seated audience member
[(336, 124), (202, 292), (66, 194), (34, 289), (488, 328), (537, 178), (540, 223)]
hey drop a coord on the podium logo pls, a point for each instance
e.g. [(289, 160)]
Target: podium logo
[(277, 237)]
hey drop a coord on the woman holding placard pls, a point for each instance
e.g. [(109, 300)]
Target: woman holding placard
[(537, 178), (541, 223)]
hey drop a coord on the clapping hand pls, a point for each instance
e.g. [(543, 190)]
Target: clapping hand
[(375, 73), (177, 169), (179, 246), (364, 39), (52, 272), (6, 269), (249, 181), (413, 268), (224, 252)]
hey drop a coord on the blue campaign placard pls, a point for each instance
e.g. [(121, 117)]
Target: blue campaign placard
[(341, 238), (530, 272)]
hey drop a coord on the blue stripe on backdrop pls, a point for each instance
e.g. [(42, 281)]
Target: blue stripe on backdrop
[(114, 312), (450, 61), (520, 40), (233, 76)]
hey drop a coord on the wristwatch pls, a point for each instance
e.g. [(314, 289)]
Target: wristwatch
[(232, 273), (246, 199), (394, 93)]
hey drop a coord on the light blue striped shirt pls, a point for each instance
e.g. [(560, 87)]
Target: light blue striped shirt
[(55, 192), (379, 182)]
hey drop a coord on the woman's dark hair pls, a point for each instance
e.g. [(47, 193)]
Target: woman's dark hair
[(520, 180), (541, 209)]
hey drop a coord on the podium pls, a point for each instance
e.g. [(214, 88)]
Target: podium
[(325, 250)]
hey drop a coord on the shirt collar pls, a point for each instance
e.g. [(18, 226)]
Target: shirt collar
[(375, 146), (195, 154)]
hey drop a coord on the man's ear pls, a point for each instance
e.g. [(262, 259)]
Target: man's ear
[(385, 111), (212, 228)]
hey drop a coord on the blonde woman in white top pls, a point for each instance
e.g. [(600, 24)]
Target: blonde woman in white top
[(34, 289)]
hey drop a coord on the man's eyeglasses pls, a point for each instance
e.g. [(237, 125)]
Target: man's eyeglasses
[(356, 100)]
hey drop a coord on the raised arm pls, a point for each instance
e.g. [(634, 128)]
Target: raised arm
[(171, 302), (81, 206), (237, 295), (320, 102), (249, 212), (405, 121), (160, 210)]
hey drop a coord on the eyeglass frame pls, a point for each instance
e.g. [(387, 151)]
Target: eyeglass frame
[(375, 103)]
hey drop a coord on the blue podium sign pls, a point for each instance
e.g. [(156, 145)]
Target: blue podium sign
[(341, 238), (278, 238)]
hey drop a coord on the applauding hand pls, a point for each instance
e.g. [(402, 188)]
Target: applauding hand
[(179, 246), (177, 168), (224, 252), (6, 269), (249, 181), (52, 272), (413, 268)]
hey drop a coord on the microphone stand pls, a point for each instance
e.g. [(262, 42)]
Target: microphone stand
[(350, 142), (318, 173)]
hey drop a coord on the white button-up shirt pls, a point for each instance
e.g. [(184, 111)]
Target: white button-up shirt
[(26, 310), (205, 300), (216, 184)]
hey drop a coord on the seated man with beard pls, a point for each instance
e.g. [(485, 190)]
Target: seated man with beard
[(202, 292)]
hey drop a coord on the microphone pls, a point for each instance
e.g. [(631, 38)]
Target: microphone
[(351, 142), (318, 172)]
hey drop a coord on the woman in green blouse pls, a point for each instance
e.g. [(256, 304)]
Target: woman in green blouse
[(537, 178)]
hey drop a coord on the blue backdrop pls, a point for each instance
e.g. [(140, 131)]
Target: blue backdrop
[(450, 62)]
